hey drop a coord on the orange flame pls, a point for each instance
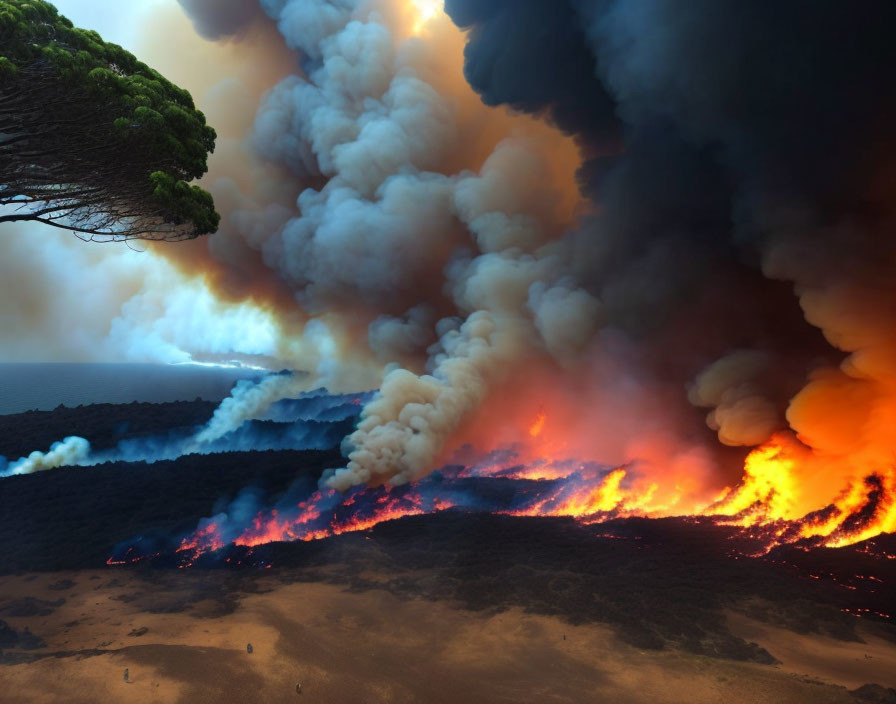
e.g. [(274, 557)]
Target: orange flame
[(605, 497), (767, 490), (775, 476), (770, 501)]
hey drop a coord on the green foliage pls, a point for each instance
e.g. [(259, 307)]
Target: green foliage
[(184, 203), (161, 139)]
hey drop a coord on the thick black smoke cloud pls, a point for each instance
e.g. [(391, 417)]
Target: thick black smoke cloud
[(752, 138), (534, 56), (666, 202), (784, 93), (789, 95)]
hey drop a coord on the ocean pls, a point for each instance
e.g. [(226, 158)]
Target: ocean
[(43, 387)]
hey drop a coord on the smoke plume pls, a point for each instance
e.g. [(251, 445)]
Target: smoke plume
[(754, 150), (410, 236)]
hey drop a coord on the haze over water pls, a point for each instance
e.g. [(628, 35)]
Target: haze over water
[(43, 387)]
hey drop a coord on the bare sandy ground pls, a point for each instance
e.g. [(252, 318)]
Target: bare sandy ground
[(827, 659), (370, 646)]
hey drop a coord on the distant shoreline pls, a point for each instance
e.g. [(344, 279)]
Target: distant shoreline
[(44, 386)]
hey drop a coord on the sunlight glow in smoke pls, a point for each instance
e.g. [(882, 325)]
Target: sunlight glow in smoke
[(426, 11)]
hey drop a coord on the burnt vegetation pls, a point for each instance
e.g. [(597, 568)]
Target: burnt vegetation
[(72, 518)]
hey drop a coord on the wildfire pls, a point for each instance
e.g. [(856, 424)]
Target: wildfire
[(770, 491), (767, 490), (207, 538), (767, 504), (864, 510), (763, 504), (605, 497)]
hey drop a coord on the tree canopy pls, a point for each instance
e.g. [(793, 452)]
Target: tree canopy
[(91, 139)]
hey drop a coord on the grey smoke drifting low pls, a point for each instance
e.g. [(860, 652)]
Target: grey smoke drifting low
[(248, 401), (70, 451)]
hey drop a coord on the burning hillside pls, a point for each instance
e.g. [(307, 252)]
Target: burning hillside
[(768, 504), (570, 261), (640, 254), (561, 538), (522, 479), (591, 495), (583, 307)]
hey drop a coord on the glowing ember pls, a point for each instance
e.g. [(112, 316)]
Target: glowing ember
[(206, 538)]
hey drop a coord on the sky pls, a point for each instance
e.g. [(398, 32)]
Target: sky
[(116, 21)]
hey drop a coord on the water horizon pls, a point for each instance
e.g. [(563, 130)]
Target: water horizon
[(43, 386)]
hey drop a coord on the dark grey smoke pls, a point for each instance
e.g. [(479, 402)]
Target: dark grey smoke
[(534, 56), (218, 19)]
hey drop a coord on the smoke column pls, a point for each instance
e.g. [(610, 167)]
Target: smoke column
[(407, 219)]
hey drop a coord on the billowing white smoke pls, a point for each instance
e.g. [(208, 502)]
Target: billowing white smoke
[(134, 307), (248, 401), (406, 424), (71, 451)]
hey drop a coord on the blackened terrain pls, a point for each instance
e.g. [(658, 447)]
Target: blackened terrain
[(73, 517)]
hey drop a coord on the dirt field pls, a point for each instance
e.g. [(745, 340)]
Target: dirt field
[(360, 647)]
